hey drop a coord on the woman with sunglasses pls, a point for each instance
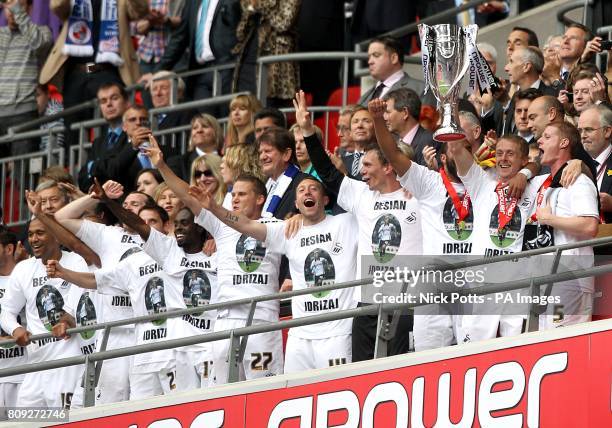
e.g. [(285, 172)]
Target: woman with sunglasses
[(206, 173), (206, 138)]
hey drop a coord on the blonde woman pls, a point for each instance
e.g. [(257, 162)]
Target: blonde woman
[(206, 138), (239, 159), (167, 199), (206, 173), (240, 124)]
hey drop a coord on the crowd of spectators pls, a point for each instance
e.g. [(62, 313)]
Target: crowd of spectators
[(260, 206)]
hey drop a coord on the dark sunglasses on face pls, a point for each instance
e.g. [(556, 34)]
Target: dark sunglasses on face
[(206, 173)]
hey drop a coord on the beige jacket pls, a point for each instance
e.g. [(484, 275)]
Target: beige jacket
[(52, 71)]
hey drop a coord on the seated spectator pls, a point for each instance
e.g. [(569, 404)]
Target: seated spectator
[(167, 199), (266, 27), (206, 173), (48, 106), (147, 181), (301, 153), (239, 159), (242, 111), (206, 138)]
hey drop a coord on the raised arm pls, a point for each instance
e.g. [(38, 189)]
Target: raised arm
[(399, 161), (70, 215), (108, 195), (233, 219), (82, 279), (463, 158), (63, 235), (331, 177), (178, 186)]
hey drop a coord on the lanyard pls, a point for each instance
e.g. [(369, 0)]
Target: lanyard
[(506, 211), (541, 190), (462, 206)]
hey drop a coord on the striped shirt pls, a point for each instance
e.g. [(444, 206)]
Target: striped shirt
[(21, 54)]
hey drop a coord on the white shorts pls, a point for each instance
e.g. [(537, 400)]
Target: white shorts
[(146, 385), (193, 367), (305, 354), (8, 397), (114, 382), (49, 388), (263, 355), (576, 307)]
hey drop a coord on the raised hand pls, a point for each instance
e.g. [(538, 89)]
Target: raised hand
[(598, 89), (377, 108), (71, 190), (201, 195), (302, 115), (154, 153), (429, 154), (54, 269), (97, 191), (34, 202), (112, 189)]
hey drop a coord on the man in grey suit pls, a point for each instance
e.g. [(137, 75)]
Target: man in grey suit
[(385, 61), (402, 118)]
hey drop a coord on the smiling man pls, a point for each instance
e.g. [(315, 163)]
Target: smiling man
[(323, 252), (44, 300)]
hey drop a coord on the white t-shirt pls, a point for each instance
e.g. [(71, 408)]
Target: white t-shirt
[(488, 239), (372, 210), (321, 254), (243, 272), (197, 273), (44, 299), (151, 291), (442, 231), (578, 200), (10, 355), (112, 244)]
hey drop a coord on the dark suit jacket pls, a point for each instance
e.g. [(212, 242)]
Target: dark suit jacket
[(423, 138), (287, 203), (606, 186), (181, 164), (348, 163), (222, 34), (119, 163), (173, 120), (373, 17), (417, 86)]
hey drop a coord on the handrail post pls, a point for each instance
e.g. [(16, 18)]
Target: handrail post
[(533, 320), (262, 83), (233, 373), (103, 344), (345, 71), (382, 328), (89, 383)]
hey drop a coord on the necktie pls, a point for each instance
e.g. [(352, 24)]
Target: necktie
[(356, 167), (144, 160), (565, 75), (377, 91), (161, 118), (111, 139), (199, 41)]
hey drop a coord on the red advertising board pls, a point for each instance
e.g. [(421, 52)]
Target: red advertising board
[(559, 383)]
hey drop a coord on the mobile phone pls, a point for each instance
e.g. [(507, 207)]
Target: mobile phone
[(606, 45), (145, 123), (570, 97)]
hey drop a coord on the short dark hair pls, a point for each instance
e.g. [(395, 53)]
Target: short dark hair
[(587, 31), (405, 98), (258, 186), (163, 214), (519, 142), (379, 153), (149, 201), (527, 94), (280, 139), (7, 237), (275, 114), (392, 45), (108, 85), (153, 171), (532, 37)]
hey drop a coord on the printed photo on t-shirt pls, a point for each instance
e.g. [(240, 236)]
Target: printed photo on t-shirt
[(86, 315), (50, 305), (319, 270), (386, 238), (503, 237), (457, 229), (155, 301), (249, 253), (196, 289), (129, 252)]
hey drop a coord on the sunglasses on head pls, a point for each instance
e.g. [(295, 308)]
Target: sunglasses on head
[(206, 173)]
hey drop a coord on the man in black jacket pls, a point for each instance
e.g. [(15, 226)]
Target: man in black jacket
[(209, 45)]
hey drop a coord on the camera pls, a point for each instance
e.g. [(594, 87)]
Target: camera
[(606, 45)]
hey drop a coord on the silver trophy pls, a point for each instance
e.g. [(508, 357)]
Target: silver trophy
[(446, 58)]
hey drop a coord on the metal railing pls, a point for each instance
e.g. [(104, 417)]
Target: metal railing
[(238, 337), (587, 15)]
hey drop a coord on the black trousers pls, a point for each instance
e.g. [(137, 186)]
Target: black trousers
[(364, 336)]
